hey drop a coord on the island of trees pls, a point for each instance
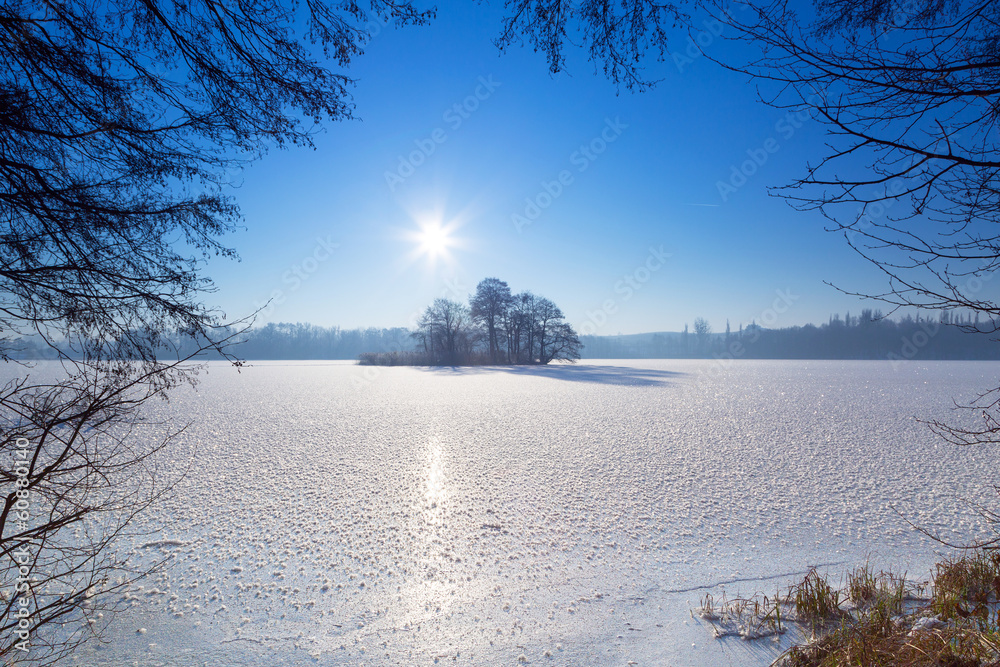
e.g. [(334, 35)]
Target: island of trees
[(496, 327)]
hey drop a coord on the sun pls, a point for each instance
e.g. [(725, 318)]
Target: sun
[(434, 240)]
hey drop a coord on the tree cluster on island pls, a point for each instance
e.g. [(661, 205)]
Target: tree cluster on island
[(496, 328)]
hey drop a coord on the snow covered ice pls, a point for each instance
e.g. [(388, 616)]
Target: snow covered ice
[(340, 515)]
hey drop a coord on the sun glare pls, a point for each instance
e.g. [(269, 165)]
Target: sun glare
[(434, 241)]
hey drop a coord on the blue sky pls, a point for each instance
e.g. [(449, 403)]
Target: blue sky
[(330, 233)]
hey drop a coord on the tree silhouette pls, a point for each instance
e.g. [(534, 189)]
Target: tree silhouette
[(526, 329), (910, 104), (908, 95), (523, 331), (446, 332), (120, 123), (615, 34), (702, 329), (488, 306)]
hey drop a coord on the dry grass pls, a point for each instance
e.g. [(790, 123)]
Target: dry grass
[(815, 601), (868, 590), (749, 618), (962, 632), (964, 588), (874, 644), (877, 618)]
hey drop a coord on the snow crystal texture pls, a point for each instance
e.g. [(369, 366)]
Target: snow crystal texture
[(336, 514)]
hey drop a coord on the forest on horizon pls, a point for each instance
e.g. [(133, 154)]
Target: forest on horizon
[(866, 336)]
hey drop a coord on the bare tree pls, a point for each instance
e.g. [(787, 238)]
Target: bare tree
[(556, 339), (115, 144), (446, 332), (532, 329), (702, 330), (562, 343), (615, 34), (523, 317), (488, 307), (909, 96), (537, 332)]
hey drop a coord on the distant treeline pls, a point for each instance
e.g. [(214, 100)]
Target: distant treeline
[(307, 341), (868, 336), (864, 336)]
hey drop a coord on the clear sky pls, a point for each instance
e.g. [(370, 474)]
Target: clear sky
[(605, 201)]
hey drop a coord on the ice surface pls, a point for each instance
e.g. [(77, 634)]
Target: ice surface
[(336, 514)]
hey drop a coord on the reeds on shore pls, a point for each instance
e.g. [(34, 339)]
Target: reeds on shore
[(878, 618)]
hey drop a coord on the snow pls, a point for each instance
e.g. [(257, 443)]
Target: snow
[(335, 514), (928, 623)]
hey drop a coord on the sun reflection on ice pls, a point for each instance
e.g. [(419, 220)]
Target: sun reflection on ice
[(437, 490), (437, 598)]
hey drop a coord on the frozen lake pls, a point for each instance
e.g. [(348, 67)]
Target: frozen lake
[(562, 515)]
